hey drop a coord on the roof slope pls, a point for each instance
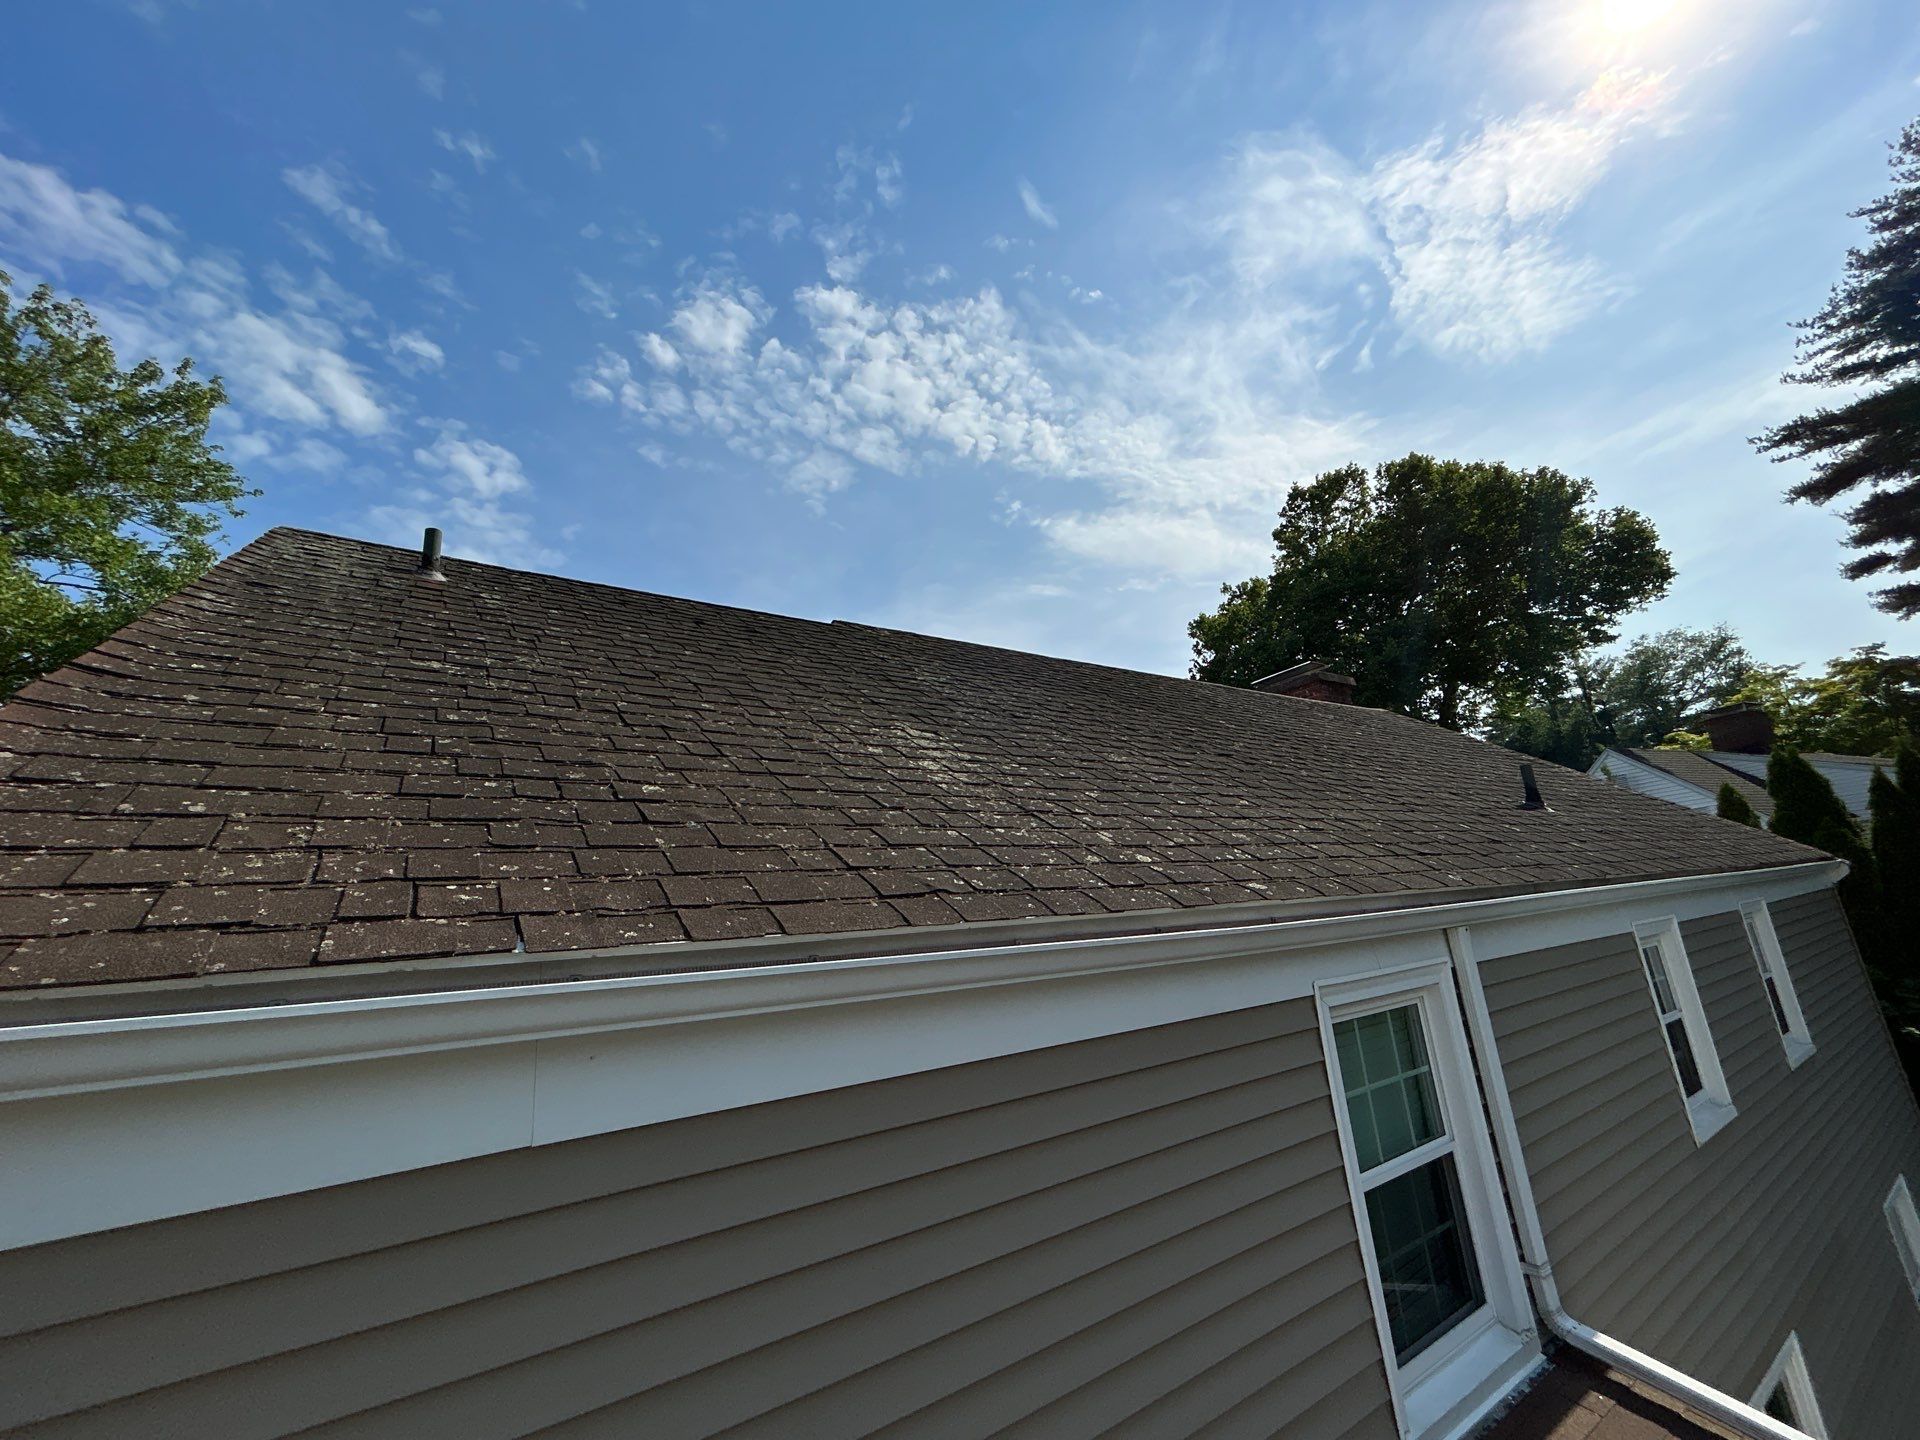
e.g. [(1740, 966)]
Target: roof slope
[(311, 755), (1706, 774)]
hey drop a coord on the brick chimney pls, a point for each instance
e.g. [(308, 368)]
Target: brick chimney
[(1309, 680), (1743, 729)]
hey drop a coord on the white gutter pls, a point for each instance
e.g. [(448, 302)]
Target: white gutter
[(115, 1119), (1742, 1418), (107, 1052)]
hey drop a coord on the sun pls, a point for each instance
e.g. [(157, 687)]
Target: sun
[(1629, 19)]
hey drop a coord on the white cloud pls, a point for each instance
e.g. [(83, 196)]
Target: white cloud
[(468, 144), (432, 80), (294, 388), (1162, 453), (413, 353), (1476, 269), (1036, 208), (587, 152), (844, 248), (326, 189), (856, 164), (594, 297), (462, 464), (783, 225), (475, 529), (48, 220), (467, 484), (718, 318), (1463, 235), (658, 353)]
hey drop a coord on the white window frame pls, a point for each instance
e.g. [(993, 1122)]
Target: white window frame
[(1772, 960), (1488, 1349), (1789, 1368), (1904, 1223), (1710, 1110)]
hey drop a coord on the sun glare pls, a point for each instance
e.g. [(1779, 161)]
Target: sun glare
[(1626, 19)]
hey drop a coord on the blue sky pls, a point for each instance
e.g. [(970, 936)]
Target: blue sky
[(1012, 323)]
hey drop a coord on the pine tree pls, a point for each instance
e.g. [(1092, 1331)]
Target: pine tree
[(1804, 805), (1866, 341), (1730, 804), (1806, 809), (1894, 801)]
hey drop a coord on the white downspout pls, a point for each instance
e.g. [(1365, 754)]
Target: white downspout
[(1743, 1419)]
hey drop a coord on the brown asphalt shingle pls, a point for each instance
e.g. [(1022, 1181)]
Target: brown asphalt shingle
[(1698, 770), (312, 756)]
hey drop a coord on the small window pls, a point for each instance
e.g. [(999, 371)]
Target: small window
[(1683, 1024), (1782, 1002), (1787, 1392), (1905, 1225), (1405, 1154)]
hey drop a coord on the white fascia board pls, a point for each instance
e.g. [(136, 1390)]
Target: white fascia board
[(108, 1122)]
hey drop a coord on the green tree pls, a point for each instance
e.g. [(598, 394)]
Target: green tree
[(1445, 587), (1636, 697), (1806, 809), (1730, 804), (1893, 801), (1866, 341), (110, 495), (1865, 703)]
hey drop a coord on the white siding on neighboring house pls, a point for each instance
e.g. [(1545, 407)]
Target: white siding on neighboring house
[(1644, 779), (1849, 775)]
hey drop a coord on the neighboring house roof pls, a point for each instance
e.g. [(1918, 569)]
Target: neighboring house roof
[(1850, 775), (1701, 770), (314, 755)]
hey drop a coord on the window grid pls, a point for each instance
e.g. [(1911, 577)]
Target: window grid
[(1672, 1021), (1778, 982), (1404, 1152)]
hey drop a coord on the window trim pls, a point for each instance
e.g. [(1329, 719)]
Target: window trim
[(1797, 1039), (1709, 1111), (1903, 1223), (1789, 1368), (1490, 1346)]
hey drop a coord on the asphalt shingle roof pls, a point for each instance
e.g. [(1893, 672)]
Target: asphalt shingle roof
[(1706, 774), (313, 756)]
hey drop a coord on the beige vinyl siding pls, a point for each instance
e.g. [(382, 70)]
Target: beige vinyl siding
[(1707, 1256), (1143, 1235)]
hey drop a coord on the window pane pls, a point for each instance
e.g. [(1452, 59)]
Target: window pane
[(1683, 1057), (1766, 973), (1388, 1081), (1657, 972), (1780, 1405), (1427, 1270), (1779, 1010)]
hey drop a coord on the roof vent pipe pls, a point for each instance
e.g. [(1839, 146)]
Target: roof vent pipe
[(430, 555), (1532, 789)]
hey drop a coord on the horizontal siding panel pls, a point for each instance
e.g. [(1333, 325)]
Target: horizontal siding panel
[(1313, 1300), (997, 1237), (1326, 1390), (1086, 1128), (224, 1247), (1706, 1255), (977, 1265)]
